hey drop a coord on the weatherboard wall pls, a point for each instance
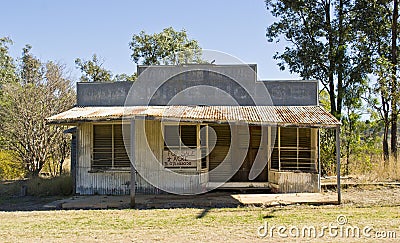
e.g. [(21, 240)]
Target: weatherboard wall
[(149, 147), (89, 182)]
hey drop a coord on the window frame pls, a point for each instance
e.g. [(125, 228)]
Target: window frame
[(312, 150), (199, 163), (94, 168)]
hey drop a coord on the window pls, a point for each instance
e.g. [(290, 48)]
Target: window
[(183, 144), (293, 150), (108, 147), (180, 136), (204, 136)]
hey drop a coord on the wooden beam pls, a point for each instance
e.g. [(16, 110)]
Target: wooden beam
[(133, 170), (338, 163)]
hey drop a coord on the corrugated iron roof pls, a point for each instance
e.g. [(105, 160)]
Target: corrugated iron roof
[(306, 116)]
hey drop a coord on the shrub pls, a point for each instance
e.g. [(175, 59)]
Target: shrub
[(11, 167), (55, 186), (37, 186)]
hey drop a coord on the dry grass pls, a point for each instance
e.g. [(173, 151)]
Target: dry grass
[(377, 207), (200, 225), (374, 169), (60, 185)]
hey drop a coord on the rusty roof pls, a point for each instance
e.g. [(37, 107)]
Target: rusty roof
[(304, 116)]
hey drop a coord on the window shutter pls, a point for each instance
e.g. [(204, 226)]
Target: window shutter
[(121, 158), (188, 135), (102, 146)]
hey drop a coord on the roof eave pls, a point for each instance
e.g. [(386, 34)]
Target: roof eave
[(75, 122)]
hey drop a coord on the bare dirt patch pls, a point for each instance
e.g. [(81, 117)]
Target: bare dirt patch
[(371, 195), (358, 196)]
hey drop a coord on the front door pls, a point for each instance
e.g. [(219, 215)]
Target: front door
[(256, 155)]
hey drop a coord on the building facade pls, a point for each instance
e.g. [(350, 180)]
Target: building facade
[(192, 128)]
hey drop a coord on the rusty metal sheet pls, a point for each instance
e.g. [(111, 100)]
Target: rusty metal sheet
[(307, 116)]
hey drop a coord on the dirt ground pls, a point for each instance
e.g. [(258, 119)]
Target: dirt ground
[(372, 206), (362, 196), (365, 196)]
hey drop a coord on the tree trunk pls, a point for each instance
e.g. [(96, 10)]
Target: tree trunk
[(33, 173), (386, 124), (340, 59), (385, 145), (347, 158), (332, 96), (394, 93), (331, 58), (61, 166)]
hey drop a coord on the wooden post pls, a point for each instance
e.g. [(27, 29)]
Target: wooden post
[(133, 170), (338, 163), (319, 158)]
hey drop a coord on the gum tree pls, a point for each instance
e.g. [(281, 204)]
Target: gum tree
[(168, 47), (42, 90)]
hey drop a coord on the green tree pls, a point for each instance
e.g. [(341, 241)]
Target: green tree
[(320, 37), (32, 69), (7, 73), (351, 121), (7, 67), (125, 77), (10, 166), (376, 28), (42, 90), (169, 47), (92, 70), (394, 90), (379, 99)]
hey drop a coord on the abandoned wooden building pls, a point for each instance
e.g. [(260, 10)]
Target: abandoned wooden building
[(192, 128)]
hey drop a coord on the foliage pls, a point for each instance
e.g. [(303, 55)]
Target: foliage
[(327, 152), (377, 34), (7, 67), (43, 90), (379, 98), (59, 154), (361, 142), (7, 71), (168, 47), (92, 70), (125, 77), (327, 141), (359, 139), (10, 166), (320, 46), (344, 44)]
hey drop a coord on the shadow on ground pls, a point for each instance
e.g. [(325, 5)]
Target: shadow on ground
[(214, 199)]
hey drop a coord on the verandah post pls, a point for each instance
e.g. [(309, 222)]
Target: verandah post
[(133, 158), (338, 163)]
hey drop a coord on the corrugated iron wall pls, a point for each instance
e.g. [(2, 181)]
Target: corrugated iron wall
[(149, 147), (148, 150), (290, 182), (117, 183), (219, 153), (87, 183)]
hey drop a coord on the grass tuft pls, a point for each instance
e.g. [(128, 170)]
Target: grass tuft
[(54, 186)]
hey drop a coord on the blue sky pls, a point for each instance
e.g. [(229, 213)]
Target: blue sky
[(65, 30)]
